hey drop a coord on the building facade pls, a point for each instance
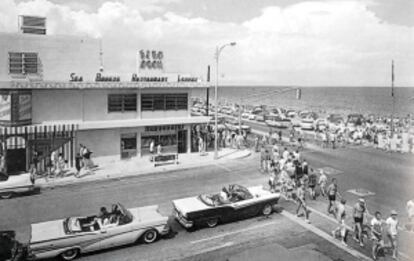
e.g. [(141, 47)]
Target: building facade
[(52, 99)]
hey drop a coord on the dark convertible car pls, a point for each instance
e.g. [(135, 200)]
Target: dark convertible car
[(232, 203)]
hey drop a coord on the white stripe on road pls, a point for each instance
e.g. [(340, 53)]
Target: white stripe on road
[(325, 236), (222, 167), (214, 248), (234, 232)]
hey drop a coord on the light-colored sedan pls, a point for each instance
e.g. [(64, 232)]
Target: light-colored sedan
[(10, 185), (69, 237)]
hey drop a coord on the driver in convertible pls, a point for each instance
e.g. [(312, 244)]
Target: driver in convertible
[(224, 196)]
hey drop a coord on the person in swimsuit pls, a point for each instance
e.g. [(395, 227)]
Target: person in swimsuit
[(340, 217), (358, 214), (332, 192), (376, 234)]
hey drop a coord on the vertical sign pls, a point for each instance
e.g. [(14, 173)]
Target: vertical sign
[(5, 107), (25, 107)]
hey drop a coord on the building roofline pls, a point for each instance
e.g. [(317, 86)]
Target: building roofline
[(25, 85)]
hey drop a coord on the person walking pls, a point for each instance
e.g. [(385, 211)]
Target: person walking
[(301, 201), (332, 192), (151, 147), (340, 217), (359, 211), (159, 149), (323, 181), (410, 213), (312, 185), (392, 232), (376, 235)]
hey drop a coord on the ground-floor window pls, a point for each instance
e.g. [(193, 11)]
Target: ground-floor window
[(128, 145), (168, 143)]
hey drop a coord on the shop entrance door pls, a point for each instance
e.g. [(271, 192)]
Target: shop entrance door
[(128, 145), (182, 141), (16, 160)]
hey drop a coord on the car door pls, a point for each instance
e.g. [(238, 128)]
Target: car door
[(246, 208)]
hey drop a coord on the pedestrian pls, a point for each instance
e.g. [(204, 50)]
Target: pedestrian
[(305, 167), (410, 213), (262, 157), (332, 192), (340, 217), (285, 154), (33, 172), (376, 235), (256, 144), (359, 211), (151, 147), (280, 136), (159, 149), (78, 164), (392, 232), (312, 185), (300, 198), (323, 181)]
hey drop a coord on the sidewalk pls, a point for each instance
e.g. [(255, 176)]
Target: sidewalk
[(143, 166)]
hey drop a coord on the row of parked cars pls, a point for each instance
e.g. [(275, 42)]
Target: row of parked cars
[(70, 237)]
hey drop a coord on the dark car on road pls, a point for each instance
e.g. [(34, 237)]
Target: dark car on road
[(210, 209)]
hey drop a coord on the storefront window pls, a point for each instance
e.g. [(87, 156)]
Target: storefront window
[(128, 145)]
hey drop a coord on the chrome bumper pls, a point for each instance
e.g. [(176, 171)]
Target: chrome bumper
[(182, 220)]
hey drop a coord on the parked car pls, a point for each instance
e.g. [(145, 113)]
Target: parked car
[(334, 121), (233, 125), (209, 210), (10, 248), (12, 184), (277, 121), (67, 238), (307, 124), (321, 125)]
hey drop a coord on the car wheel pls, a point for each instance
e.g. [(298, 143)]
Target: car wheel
[(6, 195), (150, 236), (267, 210), (212, 222), (70, 254)]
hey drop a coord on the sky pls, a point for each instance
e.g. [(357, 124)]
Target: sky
[(279, 42)]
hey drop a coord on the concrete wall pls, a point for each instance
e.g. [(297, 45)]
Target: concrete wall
[(91, 105), (59, 56), (56, 105)]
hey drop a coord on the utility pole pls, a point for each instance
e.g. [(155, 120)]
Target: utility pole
[(393, 100)]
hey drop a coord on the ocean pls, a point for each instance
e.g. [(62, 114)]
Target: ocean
[(323, 100)]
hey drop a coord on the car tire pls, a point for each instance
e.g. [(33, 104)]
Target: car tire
[(69, 254), (6, 195), (212, 222), (150, 236), (267, 210)]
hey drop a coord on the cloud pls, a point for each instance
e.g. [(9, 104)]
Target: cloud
[(309, 43)]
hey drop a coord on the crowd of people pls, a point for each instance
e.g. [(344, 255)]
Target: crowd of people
[(291, 175)]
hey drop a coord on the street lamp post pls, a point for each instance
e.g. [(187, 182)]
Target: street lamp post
[(217, 56)]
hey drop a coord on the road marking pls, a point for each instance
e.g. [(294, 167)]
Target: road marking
[(222, 167), (360, 192), (227, 244), (325, 236), (234, 232)]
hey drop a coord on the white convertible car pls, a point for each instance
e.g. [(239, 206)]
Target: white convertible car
[(70, 237), (12, 184)]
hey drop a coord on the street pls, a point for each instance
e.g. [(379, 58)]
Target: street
[(362, 168)]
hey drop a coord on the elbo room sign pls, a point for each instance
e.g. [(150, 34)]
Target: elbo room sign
[(151, 59)]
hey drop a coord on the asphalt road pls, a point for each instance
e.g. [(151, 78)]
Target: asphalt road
[(387, 175)]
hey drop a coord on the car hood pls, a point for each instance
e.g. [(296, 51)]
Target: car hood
[(16, 181), (148, 214), (45, 231), (260, 192), (191, 204)]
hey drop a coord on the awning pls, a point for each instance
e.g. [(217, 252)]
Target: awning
[(38, 128)]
